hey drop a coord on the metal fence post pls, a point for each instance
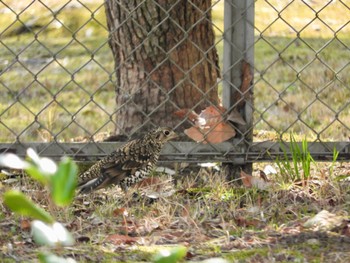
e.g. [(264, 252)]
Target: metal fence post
[(238, 47)]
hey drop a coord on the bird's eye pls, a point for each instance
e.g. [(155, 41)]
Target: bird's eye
[(166, 133)]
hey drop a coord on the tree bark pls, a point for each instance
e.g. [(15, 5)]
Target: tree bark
[(165, 60)]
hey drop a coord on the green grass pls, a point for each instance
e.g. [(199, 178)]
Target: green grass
[(305, 87), (295, 79), (298, 169)]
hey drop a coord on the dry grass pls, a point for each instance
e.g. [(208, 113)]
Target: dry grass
[(212, 219)]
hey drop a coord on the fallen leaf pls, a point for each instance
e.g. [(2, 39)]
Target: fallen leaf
[(220, 133), (212, 115), (187, 113), (346, 230), (236, 117), (25, 224), (150, 182), (127, 229), (263, 176), (252, 181), (244, 222), (120, 239), (209, 126), (246, 179), (195, 134), (120, 212), (325, 221)]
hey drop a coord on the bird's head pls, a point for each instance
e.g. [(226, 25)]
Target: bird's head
[(164, 134)]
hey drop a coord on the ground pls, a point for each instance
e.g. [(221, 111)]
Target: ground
[(200, 211)]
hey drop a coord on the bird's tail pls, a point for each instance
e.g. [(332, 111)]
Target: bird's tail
[(88, 187), (95, 184)]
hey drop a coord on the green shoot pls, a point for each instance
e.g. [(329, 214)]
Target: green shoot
[(334, 159), (295, 165)]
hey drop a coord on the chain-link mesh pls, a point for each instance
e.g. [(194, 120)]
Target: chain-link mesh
[(58, 75)]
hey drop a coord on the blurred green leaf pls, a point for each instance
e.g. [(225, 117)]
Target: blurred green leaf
[(40, 169), (36, 174), (171, 255), (45, 257), (21, 205), (64, 182), (51, 234)]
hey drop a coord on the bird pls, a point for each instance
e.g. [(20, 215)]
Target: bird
[(127, 165)]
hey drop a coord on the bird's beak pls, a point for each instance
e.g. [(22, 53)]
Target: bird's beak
[(173, 136)]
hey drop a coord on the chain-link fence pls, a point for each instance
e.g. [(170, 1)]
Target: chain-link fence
[(69, 79)]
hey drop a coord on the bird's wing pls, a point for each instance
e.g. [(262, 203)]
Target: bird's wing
[(119, 167), (134, 155)]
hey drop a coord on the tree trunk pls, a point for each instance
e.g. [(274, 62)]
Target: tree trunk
[(165, 60)]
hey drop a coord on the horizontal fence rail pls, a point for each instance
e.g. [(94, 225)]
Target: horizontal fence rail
[(179, 151)]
